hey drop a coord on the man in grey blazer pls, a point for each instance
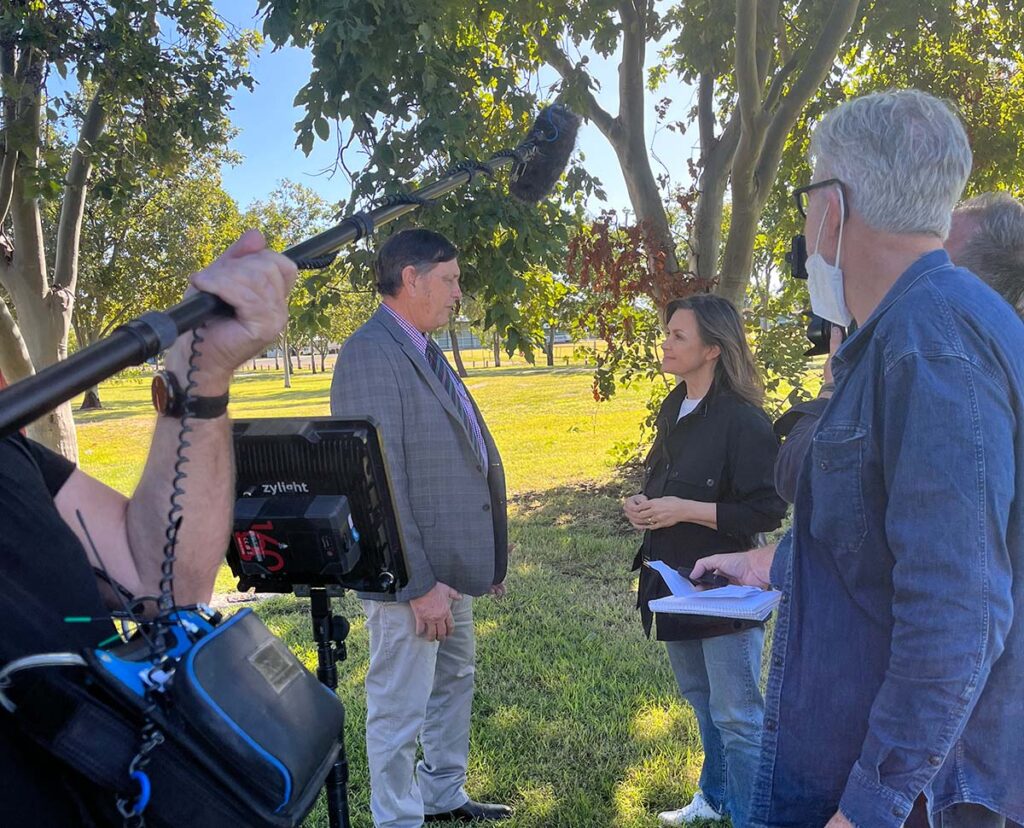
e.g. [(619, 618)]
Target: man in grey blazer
[(449, 491)]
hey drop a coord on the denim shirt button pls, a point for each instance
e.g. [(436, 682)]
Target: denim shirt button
[(769, 724), (823, 465), (777, 661), (897, 811), (934, 761), (785, 598)]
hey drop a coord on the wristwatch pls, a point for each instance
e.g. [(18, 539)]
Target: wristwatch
[(169, 400)]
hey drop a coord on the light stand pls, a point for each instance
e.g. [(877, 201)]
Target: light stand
[(330, 632)]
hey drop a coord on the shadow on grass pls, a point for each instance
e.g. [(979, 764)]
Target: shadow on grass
[(576, 719)]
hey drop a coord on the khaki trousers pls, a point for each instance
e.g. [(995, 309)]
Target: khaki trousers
[(417, 691)]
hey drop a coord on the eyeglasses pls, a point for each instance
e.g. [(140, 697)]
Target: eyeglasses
[(800, 195)]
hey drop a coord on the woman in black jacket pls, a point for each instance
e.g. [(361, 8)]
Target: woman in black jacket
[(709, 489)]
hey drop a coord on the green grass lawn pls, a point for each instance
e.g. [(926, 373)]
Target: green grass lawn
[(576, 719)]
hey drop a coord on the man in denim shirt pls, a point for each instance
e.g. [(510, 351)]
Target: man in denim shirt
[(897, 666)]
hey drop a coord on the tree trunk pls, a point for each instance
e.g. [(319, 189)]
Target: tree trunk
[(497, 350), (287, 360), (456, 354), (738, 258), (44, 317), (549, 346), (91, 401), (323, 361)]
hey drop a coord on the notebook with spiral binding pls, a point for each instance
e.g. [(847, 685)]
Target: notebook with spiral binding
[(742, 602)]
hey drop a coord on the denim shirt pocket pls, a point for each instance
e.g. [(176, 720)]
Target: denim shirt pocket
[(837, 515)]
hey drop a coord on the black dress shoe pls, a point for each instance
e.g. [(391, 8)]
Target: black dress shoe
[(471, 810)]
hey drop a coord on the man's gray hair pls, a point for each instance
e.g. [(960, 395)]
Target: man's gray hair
[(903, 156), (995, 250)]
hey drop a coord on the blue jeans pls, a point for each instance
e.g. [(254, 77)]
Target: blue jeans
[(719, 678)]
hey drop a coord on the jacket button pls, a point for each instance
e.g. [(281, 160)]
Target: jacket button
[(769, 724), (777, 661), (897, 811), (934, 761), (709, 482), (823, 465), (487, 507)]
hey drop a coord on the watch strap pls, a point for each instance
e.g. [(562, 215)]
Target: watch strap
[(206, 408), (198, 408)]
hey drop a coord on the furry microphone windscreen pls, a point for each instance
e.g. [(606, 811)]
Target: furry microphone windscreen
[(552, 138)]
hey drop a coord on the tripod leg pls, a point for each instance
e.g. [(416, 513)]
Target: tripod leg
[(336, 786), (337, 791)]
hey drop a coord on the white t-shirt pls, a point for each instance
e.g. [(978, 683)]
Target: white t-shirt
[(688, 406)]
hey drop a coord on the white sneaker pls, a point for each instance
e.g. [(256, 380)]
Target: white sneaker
[(699, 808)]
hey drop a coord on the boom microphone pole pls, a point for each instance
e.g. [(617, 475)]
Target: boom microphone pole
[(539, 161)]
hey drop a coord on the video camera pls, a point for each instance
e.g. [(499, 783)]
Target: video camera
[(819, 331)]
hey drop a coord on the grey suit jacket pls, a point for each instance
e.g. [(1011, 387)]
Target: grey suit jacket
[(452, 514)]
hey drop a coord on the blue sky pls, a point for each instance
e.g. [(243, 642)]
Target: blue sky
[(265, 119)]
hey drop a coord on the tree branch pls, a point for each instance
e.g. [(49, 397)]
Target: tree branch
[(15, 363), (707, 219), (767, 16), (706, 111), (631, 69), (747, 85), (778, 82), (781, 40), (559, 61), (30, 263), (819, 61), (65, 270), (8, 152)]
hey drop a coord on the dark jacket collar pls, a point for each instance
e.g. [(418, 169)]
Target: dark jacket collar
[(669, 413)]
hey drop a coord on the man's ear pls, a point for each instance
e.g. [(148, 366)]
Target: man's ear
[(409, 278), (835, 206)]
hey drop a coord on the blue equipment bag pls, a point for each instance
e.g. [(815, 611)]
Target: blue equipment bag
[(235, 730)]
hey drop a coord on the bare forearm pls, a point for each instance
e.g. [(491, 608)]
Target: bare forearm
[(206, 508), (208, 499)]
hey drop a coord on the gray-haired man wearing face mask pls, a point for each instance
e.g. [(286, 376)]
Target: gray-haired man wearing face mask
[(899, 647)]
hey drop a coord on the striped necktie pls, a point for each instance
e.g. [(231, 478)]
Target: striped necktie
[(438, 363)]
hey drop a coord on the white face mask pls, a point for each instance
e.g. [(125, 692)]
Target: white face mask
[(825, 281)]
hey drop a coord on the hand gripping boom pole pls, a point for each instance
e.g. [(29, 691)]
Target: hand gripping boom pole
[(539, 161)]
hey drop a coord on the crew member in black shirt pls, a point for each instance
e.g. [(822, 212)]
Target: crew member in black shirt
[(46, 506)]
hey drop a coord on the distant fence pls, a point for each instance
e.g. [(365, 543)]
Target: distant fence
[(473, 358)]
